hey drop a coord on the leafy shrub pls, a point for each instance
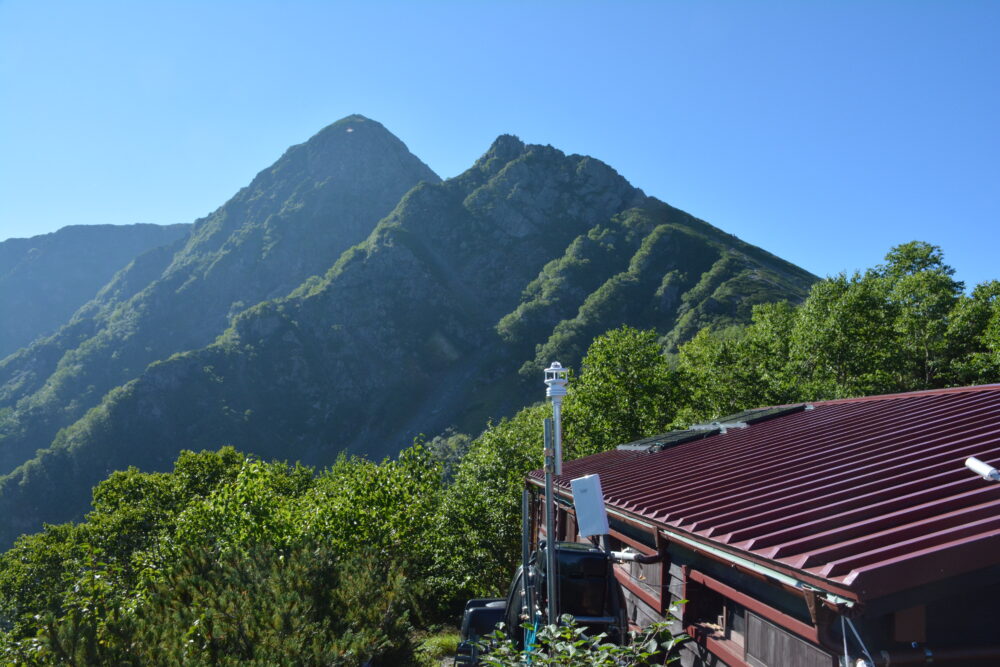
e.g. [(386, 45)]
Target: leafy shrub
[(569, 645)]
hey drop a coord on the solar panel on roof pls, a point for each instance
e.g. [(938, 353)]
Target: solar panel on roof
[(657, 443), (756, 415), (660, 442)]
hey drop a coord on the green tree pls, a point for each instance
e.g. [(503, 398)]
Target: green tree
[(480, 514), (448, 449), (96, 625), (267, 606), (922, 295), (739, 367), (256, 507), (626, 391), (843, 341), (33, 574), (974, 336)]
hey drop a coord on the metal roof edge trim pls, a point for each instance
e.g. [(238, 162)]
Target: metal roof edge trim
[(907, 394), (754, 566), (735, 559), (720, 553)]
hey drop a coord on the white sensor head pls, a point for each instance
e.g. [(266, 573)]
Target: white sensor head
[(556, 380)]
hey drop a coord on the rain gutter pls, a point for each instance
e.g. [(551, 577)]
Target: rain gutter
[(744, 563)]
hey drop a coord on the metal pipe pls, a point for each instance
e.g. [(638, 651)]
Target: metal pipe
[(557, 432), (550, 530), (843, 633), (645, 559), (525, 553), (926, 656), (861, 642), (555, 381)]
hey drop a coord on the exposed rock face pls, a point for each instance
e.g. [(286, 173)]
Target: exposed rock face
[(461, 291), (45, 279)]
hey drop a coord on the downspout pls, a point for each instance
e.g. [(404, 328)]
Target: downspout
[(823, 615)]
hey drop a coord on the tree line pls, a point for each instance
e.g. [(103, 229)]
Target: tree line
[(228, 559)]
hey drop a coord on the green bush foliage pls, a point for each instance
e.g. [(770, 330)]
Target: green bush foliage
[(902, 326), (569, 645), (228, 560)]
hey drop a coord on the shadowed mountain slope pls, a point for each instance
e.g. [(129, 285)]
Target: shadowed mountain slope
[(291, 222), (45, 279)]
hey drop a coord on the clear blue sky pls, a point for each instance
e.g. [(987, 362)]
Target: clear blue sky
[(825, 132)]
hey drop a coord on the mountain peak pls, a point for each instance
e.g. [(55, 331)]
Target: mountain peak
[(505, 148), (354, 154), (354, 123), (352, 137)]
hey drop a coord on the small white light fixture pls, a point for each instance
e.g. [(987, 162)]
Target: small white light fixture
[(984, 470)]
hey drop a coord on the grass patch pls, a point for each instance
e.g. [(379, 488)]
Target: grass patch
[(433, 648)]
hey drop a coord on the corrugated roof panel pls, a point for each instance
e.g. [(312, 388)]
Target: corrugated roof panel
[(869, 494)]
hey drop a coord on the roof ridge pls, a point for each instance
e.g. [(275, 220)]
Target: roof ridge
[(909, 394)]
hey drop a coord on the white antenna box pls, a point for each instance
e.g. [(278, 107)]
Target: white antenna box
[(588, 498)]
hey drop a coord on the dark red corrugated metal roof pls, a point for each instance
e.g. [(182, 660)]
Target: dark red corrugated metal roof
[(870, 495)]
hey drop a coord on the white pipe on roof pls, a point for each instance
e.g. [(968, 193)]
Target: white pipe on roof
[(984, 470)]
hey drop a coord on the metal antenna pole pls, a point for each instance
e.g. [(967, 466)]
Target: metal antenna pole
[(556, 379), (557, 433), (550, 529), (527, 609)]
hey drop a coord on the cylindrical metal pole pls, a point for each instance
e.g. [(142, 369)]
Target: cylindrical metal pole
[(525, 555), (557, 432), (551, 583), (843, 631)]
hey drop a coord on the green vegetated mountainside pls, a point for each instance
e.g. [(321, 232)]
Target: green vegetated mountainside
[(438, 318), (291, 222), (45, 279)]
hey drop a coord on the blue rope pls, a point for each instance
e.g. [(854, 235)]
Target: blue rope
[(529, 641)]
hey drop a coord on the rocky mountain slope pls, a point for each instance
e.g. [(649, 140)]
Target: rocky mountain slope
[(439, 317), (45, 279)]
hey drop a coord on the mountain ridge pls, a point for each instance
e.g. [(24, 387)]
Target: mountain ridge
[(44, 279), (403, 333), (292, 221)]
